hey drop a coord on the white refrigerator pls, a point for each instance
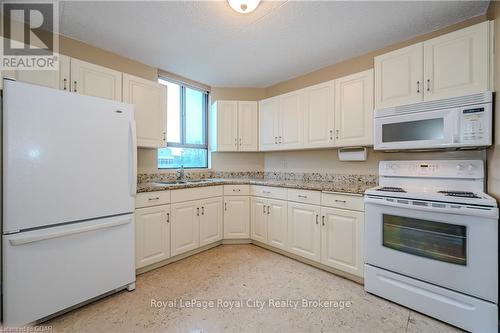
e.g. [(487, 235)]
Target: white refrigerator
[(69, 183)]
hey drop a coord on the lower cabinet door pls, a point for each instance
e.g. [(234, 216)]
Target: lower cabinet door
[(277, 223), (304, 230), (152, 235), (211, 221), (258, 216), (342, 240), (185, 227), (236, 217)]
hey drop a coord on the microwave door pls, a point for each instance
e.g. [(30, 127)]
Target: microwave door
[(422, 130)]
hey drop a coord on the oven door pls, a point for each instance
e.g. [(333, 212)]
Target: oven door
[(420, 130), (453, 251)]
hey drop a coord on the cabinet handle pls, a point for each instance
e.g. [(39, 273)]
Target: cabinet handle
[(341, 201), (317, 219), (280, 139), (266, 192), (235, 142), (65, 81), (302, 196), (428, 85), (240, 141), (323, 220), (268, 211), (198, 211), (155, 198), (275, 140), (236, 190), (225, 205), (418, 87), (264, 209), (337, 134), (331, 134), (168, 217), (164, 136), (202, 210), (74, 86)]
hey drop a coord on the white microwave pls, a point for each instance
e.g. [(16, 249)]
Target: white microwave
[(455, 123)]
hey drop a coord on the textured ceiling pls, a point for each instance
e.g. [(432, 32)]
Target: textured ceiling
[(208, 42)]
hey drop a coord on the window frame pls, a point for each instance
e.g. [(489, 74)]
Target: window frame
[(182, 123)]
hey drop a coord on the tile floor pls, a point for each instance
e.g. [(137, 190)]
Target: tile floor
[(243, 272)]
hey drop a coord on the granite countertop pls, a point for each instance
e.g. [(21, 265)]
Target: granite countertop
[(351, 187)]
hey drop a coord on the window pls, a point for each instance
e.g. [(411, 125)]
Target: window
[(186, 128)]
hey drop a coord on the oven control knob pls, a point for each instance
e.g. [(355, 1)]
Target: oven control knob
[(460, 167), (470, 167)]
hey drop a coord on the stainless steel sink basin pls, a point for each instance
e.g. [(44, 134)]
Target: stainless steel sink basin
[(172, 182)]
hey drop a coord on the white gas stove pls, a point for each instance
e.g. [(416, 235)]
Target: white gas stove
[(431, 234)]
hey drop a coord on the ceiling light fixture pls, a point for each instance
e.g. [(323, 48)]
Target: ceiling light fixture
[(243, 6)]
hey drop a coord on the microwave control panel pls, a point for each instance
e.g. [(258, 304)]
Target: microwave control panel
[(475, 123)]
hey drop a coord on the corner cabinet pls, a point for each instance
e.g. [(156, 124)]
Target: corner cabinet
[(236, 217), (450, 65), (150, 105), (354, 110), (234, 126)]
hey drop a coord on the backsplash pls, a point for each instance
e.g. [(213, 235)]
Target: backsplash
[(367, 180)]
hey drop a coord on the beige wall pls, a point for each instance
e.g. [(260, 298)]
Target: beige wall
[(494, 152), (358, 64), (242, 94)]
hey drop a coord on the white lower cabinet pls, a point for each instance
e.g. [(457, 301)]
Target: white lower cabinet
[(152, 235), (304, 230), (237, 217), (210, 220), (277, 223), (185, 227), (342, 239), (258, 218)]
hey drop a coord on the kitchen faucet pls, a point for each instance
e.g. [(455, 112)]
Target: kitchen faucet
[(180, 173)]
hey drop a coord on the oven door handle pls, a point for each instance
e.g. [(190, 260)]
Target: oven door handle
[(491, 212)]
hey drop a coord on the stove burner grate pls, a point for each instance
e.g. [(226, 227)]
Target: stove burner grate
[(391, 189), (460, 194)]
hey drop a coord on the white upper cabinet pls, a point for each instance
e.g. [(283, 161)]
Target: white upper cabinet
[(269, 127), (319, 115), (94, 80), (152, 235), (248, 126), (342, 239), (354, 110), (399, 77), (457, 63), (450, 65), (234, 126), (57, 79), (150, 106), (291, 122)]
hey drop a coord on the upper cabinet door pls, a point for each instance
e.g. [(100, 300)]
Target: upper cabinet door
[(457, 63), (399, 77), (354, 109), (291, 124), (57, 79), (227, 125), (269, 110), (150, 106), (248, 126), (211, 221), (342, 240), (94, 80), (319, 116)]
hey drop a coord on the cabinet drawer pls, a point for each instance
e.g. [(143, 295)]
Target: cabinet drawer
[(196, 193), (345, 201), (236, 189), (148, 199), (269, 192), (304, 196)]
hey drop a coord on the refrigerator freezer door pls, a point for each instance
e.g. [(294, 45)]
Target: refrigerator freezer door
[(51, 269), (67, 157)]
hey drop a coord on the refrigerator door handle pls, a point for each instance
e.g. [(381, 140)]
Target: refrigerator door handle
[(37, 238), (133, 177)]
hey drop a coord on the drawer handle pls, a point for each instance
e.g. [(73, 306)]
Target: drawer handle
[(236, 190), (155, 198), (302, 196), (266, 192), (341, 201)]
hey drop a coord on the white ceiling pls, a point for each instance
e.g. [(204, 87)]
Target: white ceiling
[(208, 42)]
